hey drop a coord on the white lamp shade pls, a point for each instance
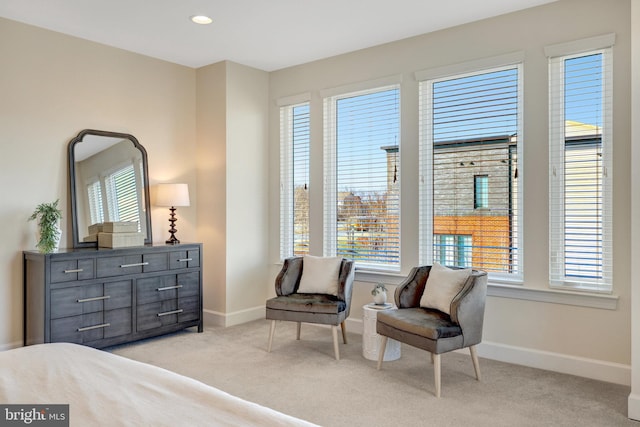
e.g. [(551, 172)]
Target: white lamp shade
[(172, 195)]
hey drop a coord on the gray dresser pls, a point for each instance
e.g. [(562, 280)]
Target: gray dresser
[(103, 297)]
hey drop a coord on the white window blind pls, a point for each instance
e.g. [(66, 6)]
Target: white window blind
[(294, 180), (122, 195), (580, 169), (96, 210), (362, 177), (470, 138)]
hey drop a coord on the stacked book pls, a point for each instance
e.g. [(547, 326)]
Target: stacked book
[(120, 234)]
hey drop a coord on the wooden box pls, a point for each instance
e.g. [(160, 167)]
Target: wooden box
[(120, 240), (120, 227)]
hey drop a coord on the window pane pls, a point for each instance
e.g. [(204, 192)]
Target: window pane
[(583, 171), (122, 196), (580, 190), (300, 148), (367, 174), (473, 142), (294, 180), (96, 211), (481, 194)]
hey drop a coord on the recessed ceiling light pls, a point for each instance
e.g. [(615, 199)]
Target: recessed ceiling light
[(201, 19)]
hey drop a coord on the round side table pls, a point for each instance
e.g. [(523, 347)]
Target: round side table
[(371, 340)]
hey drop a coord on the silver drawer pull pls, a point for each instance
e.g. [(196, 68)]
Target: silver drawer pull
[(77, 270), (167, 288), (94, 299), (88, 328), (137, 264), (185, 259), (166, 313)]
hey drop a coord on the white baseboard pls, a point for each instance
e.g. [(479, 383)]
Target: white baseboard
[(633, 405), (566, 364), (215, 318)]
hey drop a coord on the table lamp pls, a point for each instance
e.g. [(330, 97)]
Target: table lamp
[(172, 195)]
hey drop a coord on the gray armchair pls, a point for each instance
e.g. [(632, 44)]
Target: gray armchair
[(289, 305), (433, 330)]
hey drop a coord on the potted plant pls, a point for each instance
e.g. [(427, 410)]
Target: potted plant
[(48, 216), (379, 293)]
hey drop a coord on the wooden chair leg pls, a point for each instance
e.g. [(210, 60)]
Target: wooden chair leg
[(336, 350), (474, 359), (344, 332), (272, 330), (381, 350), (436, 373), (299, 324)]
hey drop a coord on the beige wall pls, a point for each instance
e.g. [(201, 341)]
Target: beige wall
[(212, 177), (51, 87), (537, 329), (232, 166)]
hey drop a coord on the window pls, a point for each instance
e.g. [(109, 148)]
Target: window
[(294, 176), (96, 210), (580, 158), (452, 250), (121, 187), (481, 191), (362, 177), (122, 195), (469, 148)]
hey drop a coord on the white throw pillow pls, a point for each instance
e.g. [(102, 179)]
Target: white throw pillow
[(443, 284), (320, 275)]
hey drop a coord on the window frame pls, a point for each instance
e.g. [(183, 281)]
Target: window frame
[(426, 78), (557, 55), (330, 191), (287, 160), (481, 192)]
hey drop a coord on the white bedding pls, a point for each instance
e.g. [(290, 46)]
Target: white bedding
[(104, 389)]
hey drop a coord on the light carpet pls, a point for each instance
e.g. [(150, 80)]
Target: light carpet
[(303, 379)]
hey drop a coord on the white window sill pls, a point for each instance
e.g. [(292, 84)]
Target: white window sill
[(580, 299)]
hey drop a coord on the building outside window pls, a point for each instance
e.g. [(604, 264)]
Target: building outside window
[(469, 187)]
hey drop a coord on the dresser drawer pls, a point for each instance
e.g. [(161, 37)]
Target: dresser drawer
[(184, 259), (90, 298), (92, 326), (155, 262), (71, 270), (159, 288), (190, 283), (119, 265), (190, 309), (157, 314)]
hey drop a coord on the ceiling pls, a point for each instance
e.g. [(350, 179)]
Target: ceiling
[(267, 35)]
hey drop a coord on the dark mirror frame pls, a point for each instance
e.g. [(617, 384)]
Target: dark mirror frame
[(77, 243)]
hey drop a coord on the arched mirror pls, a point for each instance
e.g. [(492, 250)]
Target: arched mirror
[(108, 180)]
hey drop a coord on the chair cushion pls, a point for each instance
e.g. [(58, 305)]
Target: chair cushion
[(311, 303), (422, 322), (443, 284), (320, 275)]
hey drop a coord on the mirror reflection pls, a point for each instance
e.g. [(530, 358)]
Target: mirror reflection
[(109, 182)]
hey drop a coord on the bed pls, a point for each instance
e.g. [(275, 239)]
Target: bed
[(105, 389)]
